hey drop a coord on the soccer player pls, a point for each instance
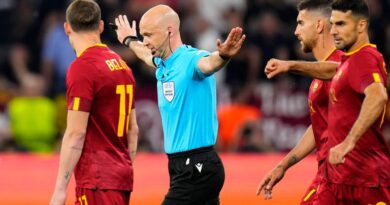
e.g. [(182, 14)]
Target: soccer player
[(100, 140), (187, 101), (358, 169), (313, 32)]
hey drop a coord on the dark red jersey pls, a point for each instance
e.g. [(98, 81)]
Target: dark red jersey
[(368, 164), (100, 82), (318, 107)]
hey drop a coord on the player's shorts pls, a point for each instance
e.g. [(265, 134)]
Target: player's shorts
[(310, 196), (337, 194), (101, 197), (196, 177)]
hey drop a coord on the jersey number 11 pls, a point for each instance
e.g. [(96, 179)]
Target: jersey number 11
[(124, 116)]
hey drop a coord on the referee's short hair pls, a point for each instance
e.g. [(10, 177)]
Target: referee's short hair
[(83, 15)]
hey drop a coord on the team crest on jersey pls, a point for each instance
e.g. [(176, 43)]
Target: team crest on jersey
[(169, 90)]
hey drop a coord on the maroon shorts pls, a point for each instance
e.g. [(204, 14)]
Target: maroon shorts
[(337, 194), (310, 196), (311, 193), (101, 197)]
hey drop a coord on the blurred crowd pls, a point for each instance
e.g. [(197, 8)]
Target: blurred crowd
[(255, 114)]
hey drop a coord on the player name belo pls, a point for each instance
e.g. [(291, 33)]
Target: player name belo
[(114, 65)]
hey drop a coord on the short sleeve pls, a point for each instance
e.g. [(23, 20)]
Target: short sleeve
[(365, 71), (197, 72), (79, 83)]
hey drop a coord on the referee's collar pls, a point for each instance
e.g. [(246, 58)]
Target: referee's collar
[(174, 55)]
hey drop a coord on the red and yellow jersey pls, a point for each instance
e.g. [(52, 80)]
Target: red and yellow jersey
[(368, 164), (100, 82), (318, 107)]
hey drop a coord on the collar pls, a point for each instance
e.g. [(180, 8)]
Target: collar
[(96, 45), (329, 54), (361, 47), (175, 54)]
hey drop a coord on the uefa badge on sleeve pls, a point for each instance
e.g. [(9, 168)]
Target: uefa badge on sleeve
[(169, 90)]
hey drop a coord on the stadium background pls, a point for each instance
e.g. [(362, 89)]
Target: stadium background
[(260, 119)]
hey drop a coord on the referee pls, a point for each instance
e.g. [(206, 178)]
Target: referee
[(187, 101)]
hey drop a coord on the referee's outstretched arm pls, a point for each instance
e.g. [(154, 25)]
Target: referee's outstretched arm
[(225, 51)]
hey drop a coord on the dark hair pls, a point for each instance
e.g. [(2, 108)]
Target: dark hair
[(357, 7), (83, 15), (325, 6)]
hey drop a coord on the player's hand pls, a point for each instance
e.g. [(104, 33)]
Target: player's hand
[(58, 198), (338, 152), (269, 181), (124, 29), (232, 44), (275, 67)]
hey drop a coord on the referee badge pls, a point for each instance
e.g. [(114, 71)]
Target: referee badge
[(169, 90)]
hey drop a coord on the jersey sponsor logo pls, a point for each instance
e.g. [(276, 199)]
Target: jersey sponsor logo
[(169, 90), (199, 167)]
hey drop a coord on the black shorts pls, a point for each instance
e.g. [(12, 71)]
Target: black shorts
[(196, 177)]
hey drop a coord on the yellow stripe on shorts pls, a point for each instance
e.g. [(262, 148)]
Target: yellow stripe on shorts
[(311, 192), (76, 103), (376, 77)]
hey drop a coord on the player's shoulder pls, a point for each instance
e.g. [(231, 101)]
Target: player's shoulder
[(336, 56), (369, 51), (366, 54), (80, 67), (79, 63)]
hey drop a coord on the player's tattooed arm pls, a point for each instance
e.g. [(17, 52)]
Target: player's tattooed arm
[(304, 147), (292, 160), (67, 176)]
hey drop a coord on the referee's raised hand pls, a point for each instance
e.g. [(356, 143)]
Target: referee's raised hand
[(124, 29), (232, 44)]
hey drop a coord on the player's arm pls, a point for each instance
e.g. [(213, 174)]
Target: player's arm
[(226, 50), (132, 135), (320, 70), (124, 30), (304, 147), (373, 105), (71, 149)]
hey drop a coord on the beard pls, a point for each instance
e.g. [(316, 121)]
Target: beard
[(307, 47), (344, 45)]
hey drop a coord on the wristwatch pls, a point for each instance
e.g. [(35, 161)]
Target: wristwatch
[(126, 41)]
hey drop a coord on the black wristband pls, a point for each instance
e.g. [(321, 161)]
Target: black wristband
[(225, 58), (126, 41)]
